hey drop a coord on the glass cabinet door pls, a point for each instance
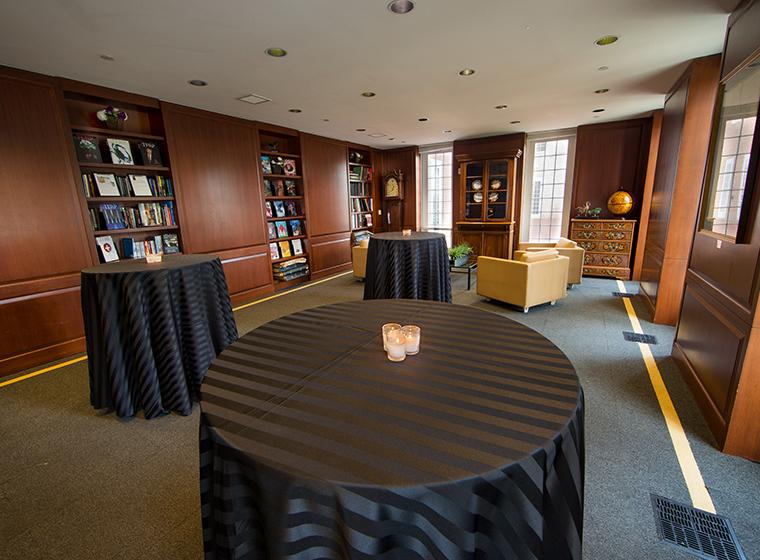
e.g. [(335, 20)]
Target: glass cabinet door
[(497, 189), (474, 190)]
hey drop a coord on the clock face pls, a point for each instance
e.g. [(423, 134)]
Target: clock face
[(391, 187)]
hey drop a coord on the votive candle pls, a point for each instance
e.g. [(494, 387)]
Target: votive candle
[(387, 328), (396, 346), (412, 337)]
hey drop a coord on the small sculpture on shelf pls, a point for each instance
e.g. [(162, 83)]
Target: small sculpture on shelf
[(586, 212), (113, 117), (356, 157), (273, 147)]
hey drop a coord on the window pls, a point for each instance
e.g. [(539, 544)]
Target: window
[(546, 203), (437, 191), (733, 145)]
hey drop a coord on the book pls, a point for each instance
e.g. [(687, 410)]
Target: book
[(279, 209), (277, 163), (87, 148), (274, 252), (279, 187), (285, 249), (282, 229), (272, 230), (128, 248), (106, 184), (120, 151), (158, 243), (171, 243), (266, 165), (268, 206), (151, 155), (290, 188), (297, 247), (268, 188), (289, 167), (107, 248), (290, 208), (140, 185), (295, 227)]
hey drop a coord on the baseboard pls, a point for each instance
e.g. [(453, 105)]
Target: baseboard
[(248, 296), (713, 417), (41, 356), (332, 270)]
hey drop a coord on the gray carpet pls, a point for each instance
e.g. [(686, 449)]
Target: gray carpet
[(78, 484)]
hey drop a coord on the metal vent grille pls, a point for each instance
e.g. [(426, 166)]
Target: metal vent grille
[(623, 294), (636, 337), (254, 99), (697, 532)]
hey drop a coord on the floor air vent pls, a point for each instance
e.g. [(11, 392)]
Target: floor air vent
[(623, 294), (697, 532), (636, 337)]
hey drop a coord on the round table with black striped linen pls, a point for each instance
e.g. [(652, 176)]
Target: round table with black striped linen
[(152, 329), (314, 445), (412, 266)]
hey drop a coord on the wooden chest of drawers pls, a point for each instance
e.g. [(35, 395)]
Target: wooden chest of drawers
[(608, 245)]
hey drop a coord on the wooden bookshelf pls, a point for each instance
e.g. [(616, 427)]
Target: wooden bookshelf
[(281, 171), (144, 125), (361, 202)]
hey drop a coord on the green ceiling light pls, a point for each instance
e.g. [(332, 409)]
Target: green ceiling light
[(606, 40), (276, 52), (466, 72)]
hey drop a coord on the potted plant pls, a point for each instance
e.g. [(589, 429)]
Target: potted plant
[(460, 254), (113, 117)]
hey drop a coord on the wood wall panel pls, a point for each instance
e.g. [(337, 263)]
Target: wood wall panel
[(215, 167), (325, 163), (646, 199), (404, 214), (330, 254)]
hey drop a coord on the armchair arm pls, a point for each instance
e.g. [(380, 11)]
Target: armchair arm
[(502, 279)]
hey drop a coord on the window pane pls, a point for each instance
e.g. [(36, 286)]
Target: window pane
[(548, 182), (437, 192)]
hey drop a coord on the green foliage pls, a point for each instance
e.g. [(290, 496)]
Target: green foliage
[(461, 250)]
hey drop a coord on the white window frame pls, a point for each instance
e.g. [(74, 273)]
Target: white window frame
[(424, 152), (526, 205)]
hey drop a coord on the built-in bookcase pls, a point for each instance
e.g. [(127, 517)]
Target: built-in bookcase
[(124, 172), (283, 186), (361, 206)]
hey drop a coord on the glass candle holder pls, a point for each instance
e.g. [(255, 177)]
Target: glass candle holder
[(396, 346), (412, 335), (406, 232), (387, 328)]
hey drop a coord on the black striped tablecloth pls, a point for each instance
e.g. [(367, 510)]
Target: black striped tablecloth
[(409, 267), (314, 445), (152, 330)]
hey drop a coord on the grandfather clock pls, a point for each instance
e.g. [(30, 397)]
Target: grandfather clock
[(393, 201)]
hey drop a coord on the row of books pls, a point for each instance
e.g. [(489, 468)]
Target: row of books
[(136, 249), (361, 204), (361, 221), (119, 150), (290, 228), (108, 184), (281, 208), (360, 189), (359, 173), (279, 187), (144, 214), (290, 270), (276, 165), (285, 249)]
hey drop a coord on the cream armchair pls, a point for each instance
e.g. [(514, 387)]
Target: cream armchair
[(566, 248), (525, 284), (359, 258)]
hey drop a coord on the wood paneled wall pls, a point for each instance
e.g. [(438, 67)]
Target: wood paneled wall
[(406, 213), (717, 343), (215, 164), (328, 227), (43, 244), (678, 179)]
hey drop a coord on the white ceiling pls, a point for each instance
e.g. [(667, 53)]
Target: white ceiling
[(537, 57)]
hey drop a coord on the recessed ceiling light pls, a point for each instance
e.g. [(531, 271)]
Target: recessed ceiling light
[(422, 119), (466, 72), (391, 138), (514, 122), (598, 111), (107, 57), (325, 120), (606, 40), (368, 94), (294, 110), (276, 52), (401, 6), (447, 131), (603, 90), (254, 99), (500, 107), (199, 83), (603, 68), (403, 141), (361, 130)]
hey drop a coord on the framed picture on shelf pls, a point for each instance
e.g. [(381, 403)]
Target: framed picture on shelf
[(295, 227), (278, 187), (140, 185), (268, 189), (171, 243), (150, 153), (289, 167), (106, 184), (290, 208), (271, 230), (368, 219), (268, 207), (290, 187), (282, 229), (274, 251), (297, 247), (277, 164), (87, 148), (285, 249), (120, 151), (266, 165), (279, 209), (107, 248)]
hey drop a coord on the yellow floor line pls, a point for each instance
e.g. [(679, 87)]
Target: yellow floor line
[(82, 358), (700, 497)]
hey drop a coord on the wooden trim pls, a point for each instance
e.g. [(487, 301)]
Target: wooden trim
[(251, 295), (277, 129), (646, 202), (21, 362), (464, 157), (93, 90), (744, 424), (36, 286)]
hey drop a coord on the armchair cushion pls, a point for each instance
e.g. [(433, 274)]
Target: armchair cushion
[(536, 256), (565, 243)]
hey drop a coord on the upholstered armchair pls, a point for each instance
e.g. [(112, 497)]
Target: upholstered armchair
[(533, 278), (359, 257), (566, 248)]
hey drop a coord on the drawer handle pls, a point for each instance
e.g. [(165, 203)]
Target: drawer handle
[(614, 247), (587, 245), (615, 235), (587, 234), (587, 226), (611, 260)]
